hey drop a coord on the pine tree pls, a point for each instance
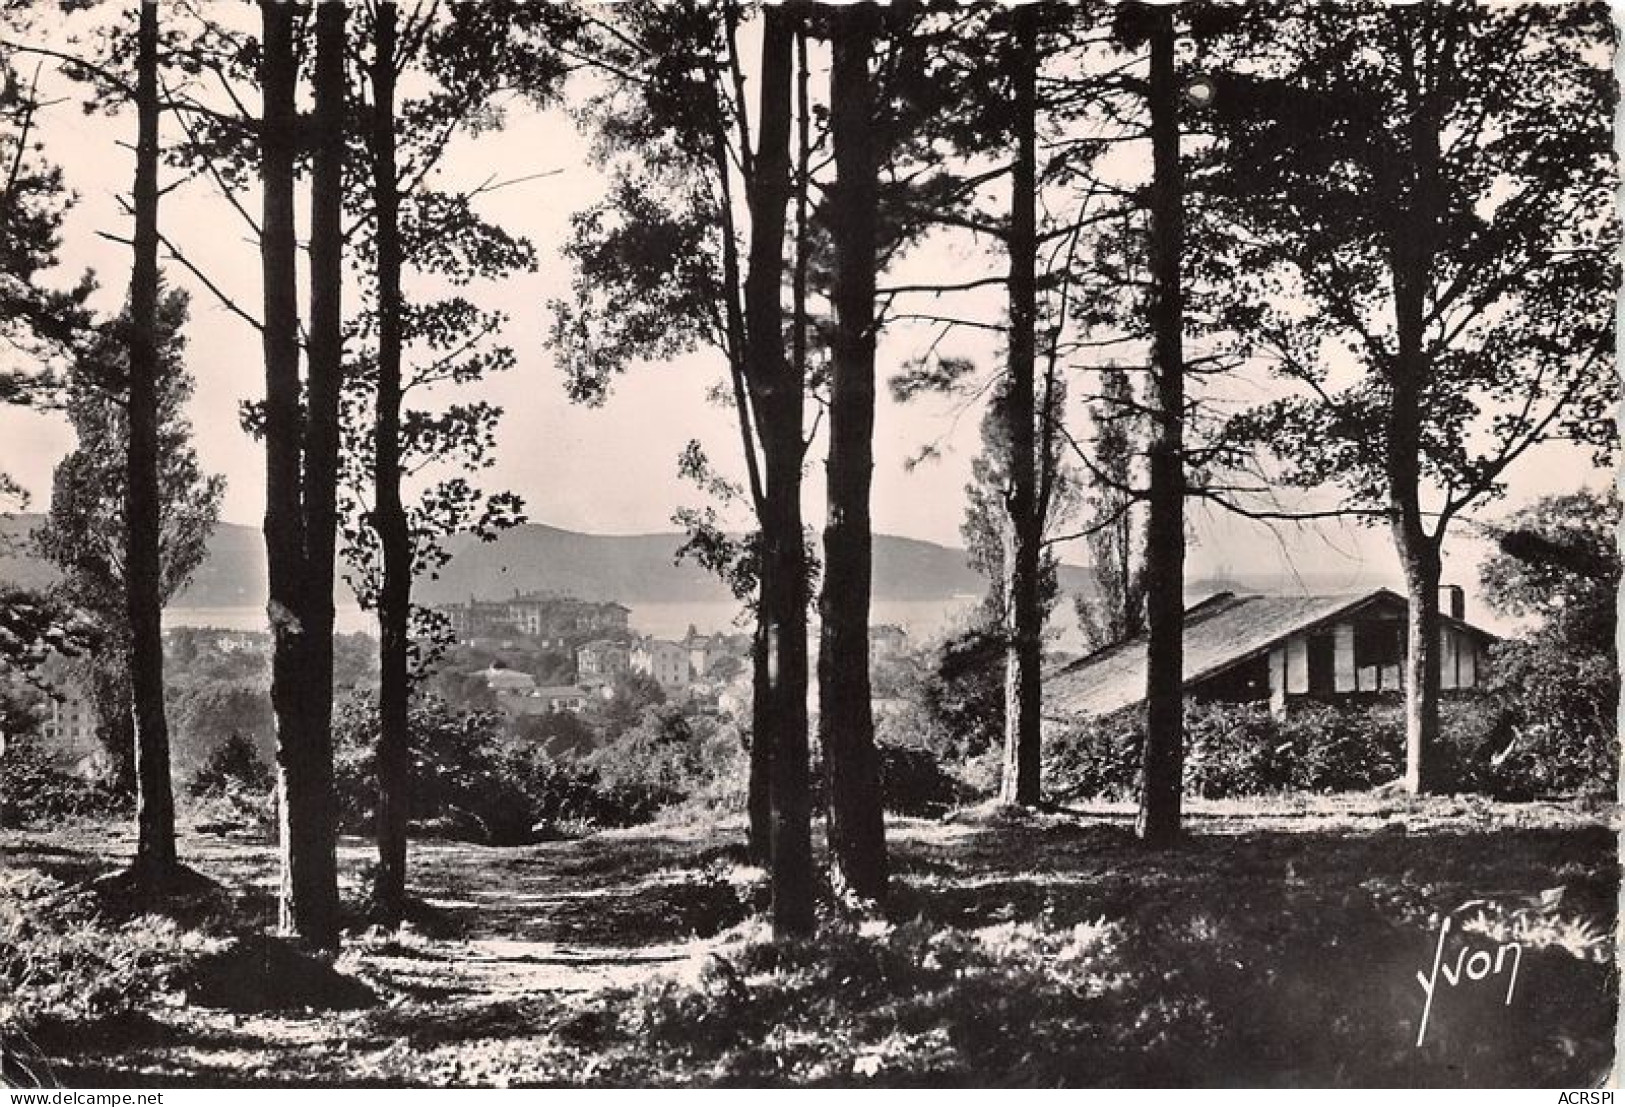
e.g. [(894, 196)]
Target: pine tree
[(88, 490), (1455, 235), (857, 834)]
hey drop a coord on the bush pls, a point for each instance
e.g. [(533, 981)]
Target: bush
[(234, 765), (913, 781), (471, 781), (60, 964), (1096, 758), (33, 789), (563, 797), (1557, 719), (666, 759), (720, 782), (235, 785), (1238, 750), (1340, 749)]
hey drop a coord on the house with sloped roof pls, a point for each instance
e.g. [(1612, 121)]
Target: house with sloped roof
[(887, 641), (505, 681), (1279, 649)]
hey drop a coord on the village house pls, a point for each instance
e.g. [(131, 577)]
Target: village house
[(1277, 649), (476, 618), (563, 697), (705, 650), (700, 651), (666, 662), (545, 700), (602, 661), (506, 682), (547, 616), (887, 642)]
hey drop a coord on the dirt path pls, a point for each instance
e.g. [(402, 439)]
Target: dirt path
[(523, 954), (506, 934)]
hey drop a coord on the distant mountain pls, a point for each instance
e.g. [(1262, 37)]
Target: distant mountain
[(232, 573), (536, 557), (643, 568)]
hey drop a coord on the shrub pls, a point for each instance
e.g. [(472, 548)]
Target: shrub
[(1237, 749), (1556, 690), (962, 693), (913, 781), (1097, 758), (721, 781), (470, 780), (1557, 719), (1345, 749), (34, 789), (60, 964), (233, 766), (667, 758), (563, 797), (235, 786)]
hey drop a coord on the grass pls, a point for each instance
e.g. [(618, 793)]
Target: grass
[(1279, 946)]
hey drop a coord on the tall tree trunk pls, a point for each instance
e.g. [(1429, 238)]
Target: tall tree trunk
[(778, 399), (784, 596), (1023, 611), (317, 832), (1411, 250), (1162, 769), (389, 515), (155, 800), (846, 727), (1423, 771), (759, 789), (759, 798), (309, 893)]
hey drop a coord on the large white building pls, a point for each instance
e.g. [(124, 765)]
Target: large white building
[(668, 663)]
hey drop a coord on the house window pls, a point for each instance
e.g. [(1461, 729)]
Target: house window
[(1379, 643)]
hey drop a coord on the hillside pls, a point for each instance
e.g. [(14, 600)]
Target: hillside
[(232, 574), (536, 557), (642, 568)]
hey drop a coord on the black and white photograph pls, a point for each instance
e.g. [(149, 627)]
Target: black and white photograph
[(663, 544)]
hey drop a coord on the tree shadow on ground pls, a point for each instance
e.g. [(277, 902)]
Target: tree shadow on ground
[(1299, 950), (1276, 952)]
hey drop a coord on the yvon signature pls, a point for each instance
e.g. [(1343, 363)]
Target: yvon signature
[(1472, 965)]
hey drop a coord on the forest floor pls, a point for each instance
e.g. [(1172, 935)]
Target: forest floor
[(1279, 946)]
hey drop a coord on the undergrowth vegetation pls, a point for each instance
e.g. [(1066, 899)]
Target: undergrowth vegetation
[(1242, 750), (62, 965), (1045, 950), (1277, 960), (1195, 999), (34, 787)]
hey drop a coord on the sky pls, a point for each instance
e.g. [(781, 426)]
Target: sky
[(612, 469)]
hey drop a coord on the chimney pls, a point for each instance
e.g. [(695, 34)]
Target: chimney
[(1453, 601)]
